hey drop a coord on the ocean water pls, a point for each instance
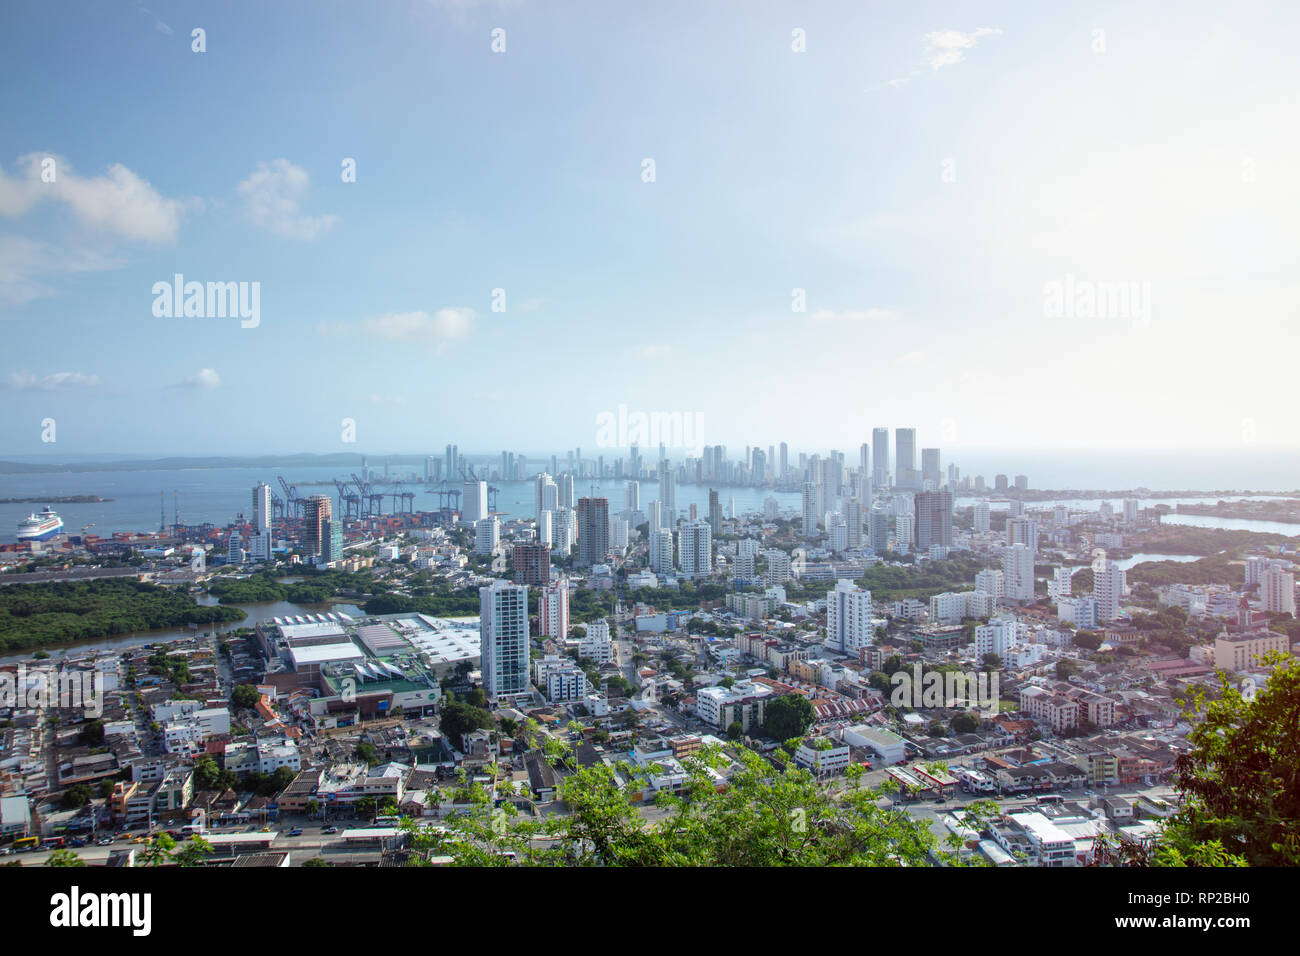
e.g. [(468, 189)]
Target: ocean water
[(201, 495)]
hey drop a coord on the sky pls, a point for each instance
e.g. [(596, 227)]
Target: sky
[(1008, 225)]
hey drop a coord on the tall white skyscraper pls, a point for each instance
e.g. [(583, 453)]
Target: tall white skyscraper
[(546, 527), (905, 471), (695, 547), (982, 522), (260, 545), (1277, 591), (567, 499), (546, 496), (553, 609), (880, 457), (1018, 573), (667, 491), (661, 551), (811, 509), (487, 535), (632, 498), (848, 617), (474, 501), (1108, 588), (1023, 531), (503, 631), (655, 517)]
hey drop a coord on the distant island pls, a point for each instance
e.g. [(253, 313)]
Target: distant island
[(55, 500)]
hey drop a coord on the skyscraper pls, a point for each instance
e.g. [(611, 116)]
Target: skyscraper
[(715, 513), (531, 562), (930, 469), (880, 457), (695, 547), (593, 531), (260, 546), (503, 631), (315, 511), (661, 551), (474, 501), (1018, 573), (905, 473), (810, 509), (553, 609), (848, 617), (933, 519)]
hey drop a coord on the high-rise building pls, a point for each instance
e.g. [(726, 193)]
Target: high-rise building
[(695, 547), (487, 535), (905, 473), (1130, 510), (503, 632), (667, 491), (315, 511), (546, 496), (878, 528), (785, 462), (853, 520), (593, 531), (564, 531), (933, 519), (661, 551), (810, 509), (848, 617), (1108, 588), (566, 490), (880, 457), (715, 513), (632, 497), (553, 610), (1018, 573), (904, 531), (474, 501), (531, 562), (981, 519), (331, 541), (260, 545), (930, 469), (1023, 531), (1277, 591)]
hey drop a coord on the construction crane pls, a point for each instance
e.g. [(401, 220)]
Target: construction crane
[(291, 499), (349, 501), (277, 507)]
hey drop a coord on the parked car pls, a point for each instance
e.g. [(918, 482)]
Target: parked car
[(104, 841), (329, 829), (296, 831)]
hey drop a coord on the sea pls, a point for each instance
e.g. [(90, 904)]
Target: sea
[(145, 500)]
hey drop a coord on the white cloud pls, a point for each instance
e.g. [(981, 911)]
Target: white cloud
[(118, 203), (443, 325), (25, 264), (145, 11), (852, 315), (204, 378), (29, 382), (946, 47), (273, 195)]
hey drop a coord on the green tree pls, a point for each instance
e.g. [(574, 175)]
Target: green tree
[(788, 716), (77, 796), (193, 852), (1241, 778), (64, 858), (459, 718), (965, 724), (245, 695), (735, 731)]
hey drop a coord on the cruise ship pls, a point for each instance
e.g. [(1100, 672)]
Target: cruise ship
[(40, 527)]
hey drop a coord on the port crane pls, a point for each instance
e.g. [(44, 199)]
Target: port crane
[(349, 500), (372, 502), (293, 502)]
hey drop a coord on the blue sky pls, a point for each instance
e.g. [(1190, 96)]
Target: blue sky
[(923, 171)]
